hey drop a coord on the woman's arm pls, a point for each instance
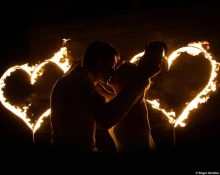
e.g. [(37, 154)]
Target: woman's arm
[(104, 92)]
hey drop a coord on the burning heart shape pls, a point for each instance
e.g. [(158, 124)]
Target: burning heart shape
[(62, 61), (193, 49), (20, 110)]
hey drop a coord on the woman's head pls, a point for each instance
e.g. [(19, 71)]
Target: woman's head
[(121, 76), (101, 58)]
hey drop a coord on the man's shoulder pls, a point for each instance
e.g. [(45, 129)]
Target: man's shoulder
[(75, 78), (74, 73), (80, 71)]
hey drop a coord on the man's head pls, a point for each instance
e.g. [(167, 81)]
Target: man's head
[(101, 58)]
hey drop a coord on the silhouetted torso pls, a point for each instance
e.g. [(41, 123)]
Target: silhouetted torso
[(73, 102)]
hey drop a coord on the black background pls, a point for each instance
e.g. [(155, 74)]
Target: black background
[(199, 137)]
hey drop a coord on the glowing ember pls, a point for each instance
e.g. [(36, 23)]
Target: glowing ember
[(60, 59), (192, 49)]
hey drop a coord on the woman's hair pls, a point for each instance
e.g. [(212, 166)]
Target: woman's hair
[(99, 50)]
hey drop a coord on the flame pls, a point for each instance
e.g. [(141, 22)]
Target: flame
[(60, 59), (192, 49), (203, 96), (136, 57), (40, 120), (170, 115)]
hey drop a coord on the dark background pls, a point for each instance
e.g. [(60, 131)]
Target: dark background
[(33, 31)]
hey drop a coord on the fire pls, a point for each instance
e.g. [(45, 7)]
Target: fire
[(136, 57), (60, 59), (192, 49), (203, 96), (40, 120), (156, 105)]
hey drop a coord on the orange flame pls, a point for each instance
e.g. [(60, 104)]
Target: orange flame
[(156, 105)]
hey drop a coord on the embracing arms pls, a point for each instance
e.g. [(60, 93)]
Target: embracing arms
[(149, 66)]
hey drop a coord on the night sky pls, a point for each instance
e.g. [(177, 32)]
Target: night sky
[(201, 138), (25, 15)]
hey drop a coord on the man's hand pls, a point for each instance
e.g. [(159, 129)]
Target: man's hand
[(149, 63)]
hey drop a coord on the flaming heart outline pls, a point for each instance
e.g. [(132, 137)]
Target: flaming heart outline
[(60, 59)]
